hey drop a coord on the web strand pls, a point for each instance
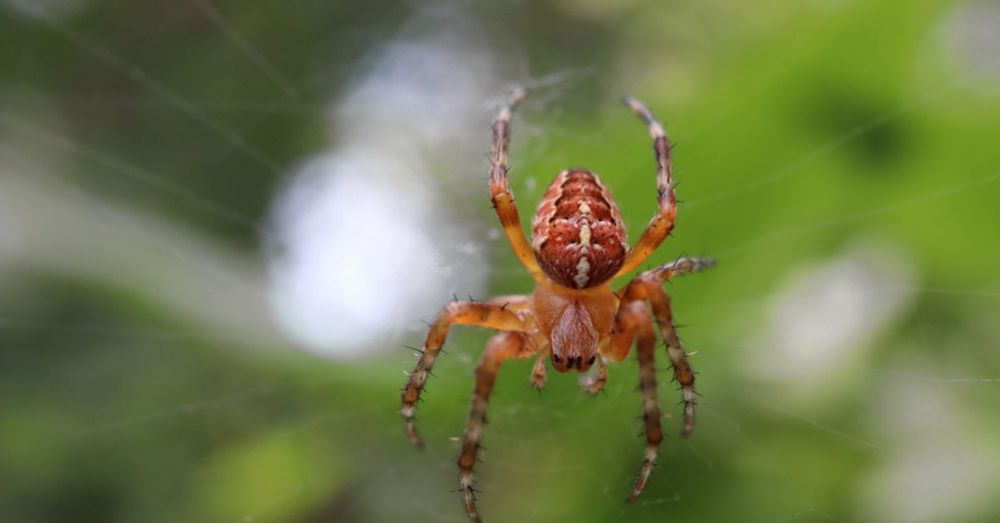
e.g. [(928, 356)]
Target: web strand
[(245, 46), (160, 90)]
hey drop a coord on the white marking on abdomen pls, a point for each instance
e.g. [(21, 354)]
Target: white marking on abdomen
[(582, 273)]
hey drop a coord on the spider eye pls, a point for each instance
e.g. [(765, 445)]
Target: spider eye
[(556, 358), (592, 360)]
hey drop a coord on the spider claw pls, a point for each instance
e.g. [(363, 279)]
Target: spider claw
[(467, 486), (648, 462)]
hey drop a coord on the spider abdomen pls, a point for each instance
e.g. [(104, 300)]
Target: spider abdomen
[(577, 234)]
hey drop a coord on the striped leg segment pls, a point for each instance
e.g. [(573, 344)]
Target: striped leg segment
[(502, 346), (633, 322), (662, 223), (491, 314), (648, 286), (676, 268), (683, 373), (500, 193), (645, 348)]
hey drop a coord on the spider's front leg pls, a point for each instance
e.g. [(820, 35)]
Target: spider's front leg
[(663, 222), (499, 314), (502, 346), (500, 193)]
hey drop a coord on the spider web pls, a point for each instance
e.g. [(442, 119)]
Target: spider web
[(146, 378)]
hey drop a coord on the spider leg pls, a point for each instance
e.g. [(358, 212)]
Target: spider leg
[(539, 372), (631, 317), (645, 348), (677, 267), (661, 224), (594, 382), (512, 302), (633, 322), (648, 286), (489, 314), (500, 193), (683, 373), (501, 346)]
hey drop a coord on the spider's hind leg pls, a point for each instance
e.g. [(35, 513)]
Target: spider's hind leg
[(648, 286), (645, 344), (683, 373), (502, 346), (633, 323)]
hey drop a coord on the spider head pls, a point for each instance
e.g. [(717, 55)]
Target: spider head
[(574, 340), (577, 234)]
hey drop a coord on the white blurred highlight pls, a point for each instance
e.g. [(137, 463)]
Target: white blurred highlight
[(365, 245), (972, 37), (360, 252), (824, 318), (942, 462)]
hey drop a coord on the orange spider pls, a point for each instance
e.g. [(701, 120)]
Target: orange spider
[(579, 245)]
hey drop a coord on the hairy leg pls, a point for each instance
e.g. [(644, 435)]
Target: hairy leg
[(633, 322), (500, 193), (489, 314), (648, 286), (645, 348), (683, 373), (502, 346), (538, 371), (632, 315), (512, 302), (680, 266), (661, 224), (595, 381)]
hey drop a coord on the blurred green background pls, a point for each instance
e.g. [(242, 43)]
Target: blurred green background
[(839, 158)]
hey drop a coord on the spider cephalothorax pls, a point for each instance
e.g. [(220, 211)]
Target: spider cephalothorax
[(578, 247)]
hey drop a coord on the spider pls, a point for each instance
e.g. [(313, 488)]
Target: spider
[(574, 317)]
